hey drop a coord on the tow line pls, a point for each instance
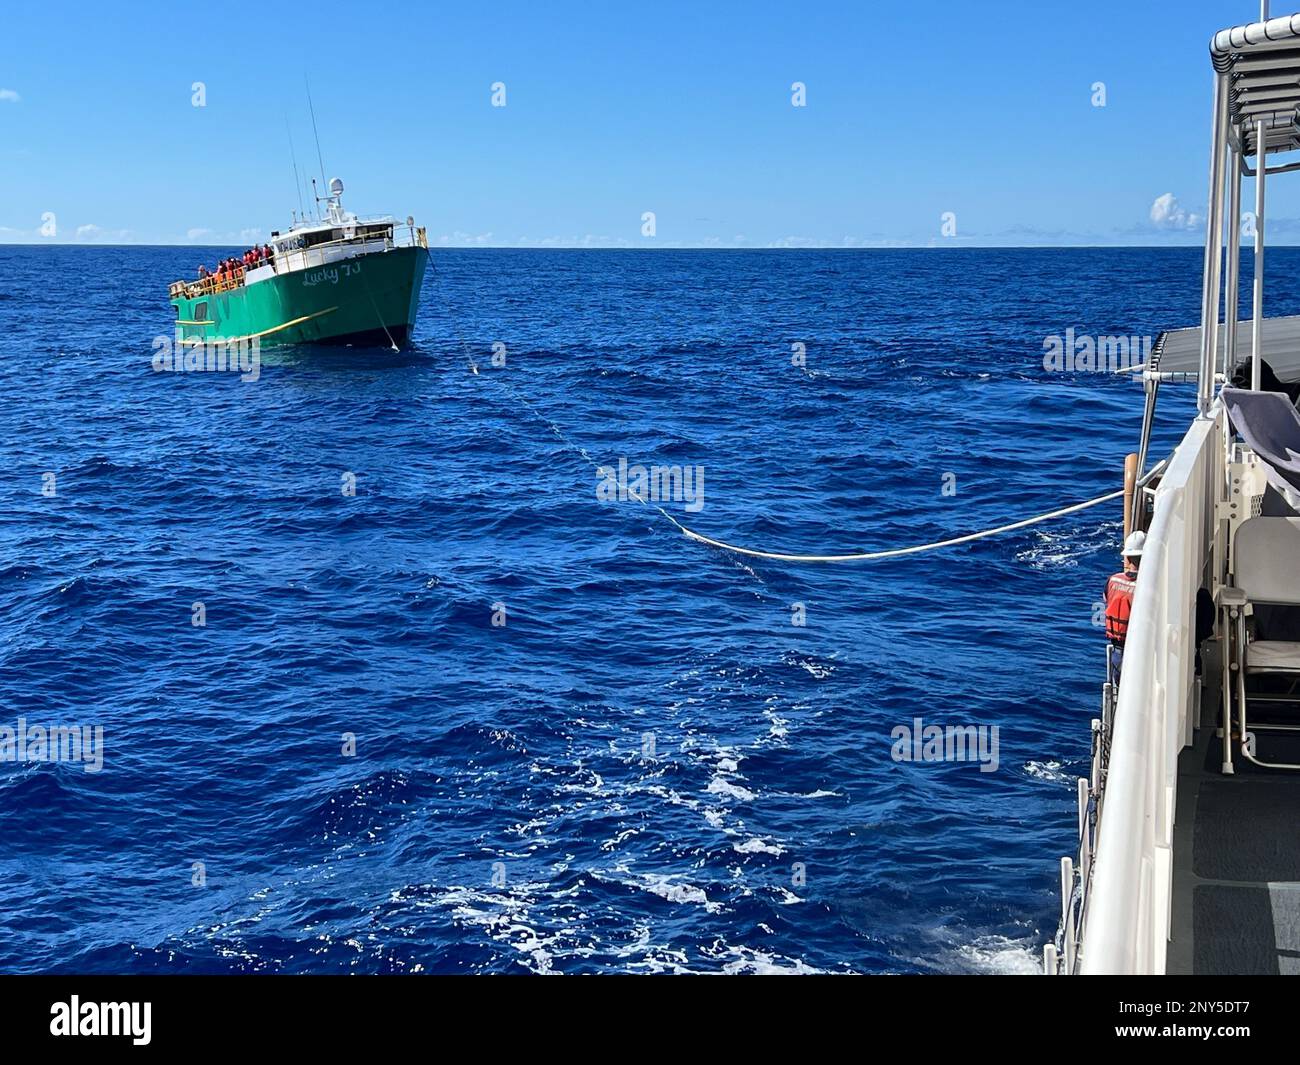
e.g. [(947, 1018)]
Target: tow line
[(785, 556), (869, 556)]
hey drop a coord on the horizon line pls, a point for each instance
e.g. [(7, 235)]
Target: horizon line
[(669, 247)]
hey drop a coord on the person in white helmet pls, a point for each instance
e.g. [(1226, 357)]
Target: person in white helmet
[(1119, 600)]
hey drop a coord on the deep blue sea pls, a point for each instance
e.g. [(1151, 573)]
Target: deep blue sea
[(649, 767)]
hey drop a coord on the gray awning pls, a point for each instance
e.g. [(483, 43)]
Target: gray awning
[(1262, 61), (1179, 350)]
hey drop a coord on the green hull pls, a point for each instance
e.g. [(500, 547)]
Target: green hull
[(367, 299)]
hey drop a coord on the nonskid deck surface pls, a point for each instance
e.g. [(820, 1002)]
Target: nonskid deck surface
[(1236, 902)]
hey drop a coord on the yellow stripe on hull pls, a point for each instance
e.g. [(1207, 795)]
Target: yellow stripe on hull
[(252, 336)]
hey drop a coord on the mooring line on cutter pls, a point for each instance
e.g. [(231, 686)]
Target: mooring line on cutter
[(782, 556), (896, 552)]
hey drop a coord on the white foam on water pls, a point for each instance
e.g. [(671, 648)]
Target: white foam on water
[(667, 886), (533, 827), (1051, 771), (526, 940), (998, 954), (758, 846), (595, 787), (503, 916), (818, 670), (1050, 550), (620, 838), (759, 963), (719, 786)]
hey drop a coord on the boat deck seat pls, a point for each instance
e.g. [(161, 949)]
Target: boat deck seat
[(1270, 426), (1273, 656), (1266, 572)]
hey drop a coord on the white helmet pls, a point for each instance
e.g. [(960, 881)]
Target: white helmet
[(1134, 543)]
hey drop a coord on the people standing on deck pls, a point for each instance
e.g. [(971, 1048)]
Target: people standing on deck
[(1119, 601), (230, 271)]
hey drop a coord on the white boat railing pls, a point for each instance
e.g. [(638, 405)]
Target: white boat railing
[(293, 260), (1116, 905)]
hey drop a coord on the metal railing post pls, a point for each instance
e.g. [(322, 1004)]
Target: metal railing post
[(1233, 281), (1213, 248), (1257, 323)]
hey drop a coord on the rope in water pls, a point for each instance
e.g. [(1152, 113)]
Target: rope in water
[(869, 556), (780, 556), (375, 307)]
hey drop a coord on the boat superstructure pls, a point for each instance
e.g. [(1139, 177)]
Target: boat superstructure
[(1189, 819), (336, 279)]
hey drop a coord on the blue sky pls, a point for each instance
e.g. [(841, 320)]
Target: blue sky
[(984, 110)]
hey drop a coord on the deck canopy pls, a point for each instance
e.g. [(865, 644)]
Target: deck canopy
[(1262, 62), (1179, 350), (1256, 118)]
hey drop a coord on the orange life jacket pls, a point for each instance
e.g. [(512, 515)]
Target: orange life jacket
[(1119, 605)]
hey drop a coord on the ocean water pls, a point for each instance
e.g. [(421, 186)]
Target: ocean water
[(649, 767)]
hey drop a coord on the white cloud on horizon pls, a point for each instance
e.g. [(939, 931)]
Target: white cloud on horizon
[(460, 239), (1168, 213), (93, 234), (9, 96)]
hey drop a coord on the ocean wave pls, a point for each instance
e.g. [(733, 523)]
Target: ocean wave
[(679, 757)]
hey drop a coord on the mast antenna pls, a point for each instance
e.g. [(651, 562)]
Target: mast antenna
[(297, 181), (314, 131)]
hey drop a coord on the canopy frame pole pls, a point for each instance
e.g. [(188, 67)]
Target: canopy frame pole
[(1152, 390), (1273, 171), (1257, 323), (1234, 263), (1210, 289)]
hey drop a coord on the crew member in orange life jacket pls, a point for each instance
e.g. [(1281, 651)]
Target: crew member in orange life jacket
[(1119, 600)]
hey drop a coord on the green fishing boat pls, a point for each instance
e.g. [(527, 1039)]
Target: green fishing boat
[(338, 279)]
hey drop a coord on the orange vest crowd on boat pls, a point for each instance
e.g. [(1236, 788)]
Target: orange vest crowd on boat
[(233, 269)]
